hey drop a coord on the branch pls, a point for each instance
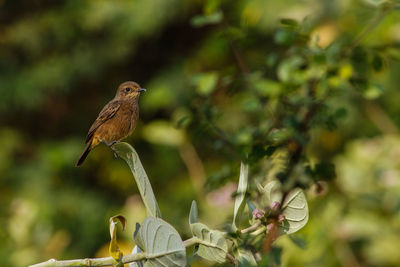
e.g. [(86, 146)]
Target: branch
[(109, 261)]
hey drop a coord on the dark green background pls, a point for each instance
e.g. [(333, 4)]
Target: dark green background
[(61, 61)]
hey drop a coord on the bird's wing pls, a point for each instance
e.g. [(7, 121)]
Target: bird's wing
[(105, 114)]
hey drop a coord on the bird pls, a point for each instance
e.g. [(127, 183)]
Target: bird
[(116, 121)]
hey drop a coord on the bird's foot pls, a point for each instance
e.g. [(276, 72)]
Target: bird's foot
[(110, 144)]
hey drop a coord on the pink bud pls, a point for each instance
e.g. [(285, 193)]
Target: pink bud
[(258, 214), (275, 206)]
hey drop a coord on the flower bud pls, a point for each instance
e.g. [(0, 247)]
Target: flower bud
[(258, 214)]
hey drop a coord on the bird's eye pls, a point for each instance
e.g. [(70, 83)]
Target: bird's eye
[(127, 89)]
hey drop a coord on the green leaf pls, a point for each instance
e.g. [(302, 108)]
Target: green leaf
[(202, 20), (212, 243), (161, 243), (289, 70), (251, 208), (295, 210), (241, 193), (266, 87), (193, 213), (128, 153), (373, 91), (205, 82), (300, 242), (284, 36), (113, 248), (246, 258), (289, 22)]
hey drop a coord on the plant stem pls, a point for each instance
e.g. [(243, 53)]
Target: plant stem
[(251, 228), (191, 241), (259, 230)]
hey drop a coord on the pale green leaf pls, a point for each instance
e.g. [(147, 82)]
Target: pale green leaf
[(161, 243), (212, 243), (128, 153), (241, 193), (193, 213), (271, 192), (136, 250), (295, 210)]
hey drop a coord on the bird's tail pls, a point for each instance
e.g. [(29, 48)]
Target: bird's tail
[(84, 154)]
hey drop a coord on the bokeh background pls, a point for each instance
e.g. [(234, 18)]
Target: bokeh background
[(61, 61)]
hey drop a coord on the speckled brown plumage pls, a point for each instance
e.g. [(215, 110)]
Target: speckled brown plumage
[(116, 121)]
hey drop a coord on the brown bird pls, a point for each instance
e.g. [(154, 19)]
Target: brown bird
[(117, 119)]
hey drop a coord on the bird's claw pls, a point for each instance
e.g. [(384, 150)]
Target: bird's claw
[(110, 144)]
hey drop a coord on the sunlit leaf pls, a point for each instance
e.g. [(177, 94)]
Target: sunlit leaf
[(113, 248), (162, 132), (241, 192), (295, 210), (372, 92), (161, 243), (205, 82), (128, 153), (213, 245), (289, 70)]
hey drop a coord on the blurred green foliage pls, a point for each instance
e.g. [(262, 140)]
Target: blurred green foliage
[(309, 83)]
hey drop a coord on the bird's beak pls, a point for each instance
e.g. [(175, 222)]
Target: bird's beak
[(142, 90)]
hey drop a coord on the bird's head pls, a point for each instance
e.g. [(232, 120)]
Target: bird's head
[(129, 90)]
